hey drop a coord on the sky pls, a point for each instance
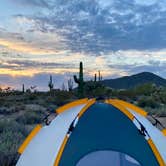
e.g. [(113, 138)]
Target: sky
[(39, 38)]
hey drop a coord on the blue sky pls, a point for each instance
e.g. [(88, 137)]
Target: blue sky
[(43, 37)]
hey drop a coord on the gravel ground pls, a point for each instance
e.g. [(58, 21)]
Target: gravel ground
[(162, 120)]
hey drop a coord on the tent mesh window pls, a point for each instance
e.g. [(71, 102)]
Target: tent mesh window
[(107, 158)]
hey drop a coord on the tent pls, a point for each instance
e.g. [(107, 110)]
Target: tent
[(87, 132)]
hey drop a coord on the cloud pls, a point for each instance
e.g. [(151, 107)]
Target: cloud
[(40, 79), (24, 47), (118, 37), (31, 3), (34, 42), (157, 67), (147, 2), (96, 26), (18, 64), (69, 63), (19, 68)]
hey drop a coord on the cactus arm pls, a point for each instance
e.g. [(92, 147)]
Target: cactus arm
[(76, 79)]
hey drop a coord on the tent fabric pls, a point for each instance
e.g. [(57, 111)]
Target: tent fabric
[(114, 131), (157, 137), (154, 137), (96, 129), (44, 148), (155, 134)]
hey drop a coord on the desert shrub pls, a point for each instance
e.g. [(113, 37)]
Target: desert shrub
[(126, 93), (145, 89), (13, 126), (2, 101), (96, 89), (100, 91), (163, 96), (11, 136), (11, 109), (2, 125), (9, 143), (148, 102), (30, 117), (8, 159), (161, 111), (6, 110), (10, 140), (62, 98), (32, 97)]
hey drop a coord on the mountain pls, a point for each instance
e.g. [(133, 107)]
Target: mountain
[(127, 82)]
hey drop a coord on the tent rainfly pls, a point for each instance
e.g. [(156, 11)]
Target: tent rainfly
[(87, 132)]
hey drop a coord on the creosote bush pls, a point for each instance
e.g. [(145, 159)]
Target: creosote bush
[(148, 102), (11, 135), (30, 117)]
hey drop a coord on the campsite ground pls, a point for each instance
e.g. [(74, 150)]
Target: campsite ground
[(162, 120)]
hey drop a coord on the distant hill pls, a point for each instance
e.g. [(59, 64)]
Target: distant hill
[(127, 82)]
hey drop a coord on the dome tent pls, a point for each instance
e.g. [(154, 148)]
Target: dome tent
[(90, 133)]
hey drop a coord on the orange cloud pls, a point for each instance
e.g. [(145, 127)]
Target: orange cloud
[(16, 73), (24, 47), (32, 72)]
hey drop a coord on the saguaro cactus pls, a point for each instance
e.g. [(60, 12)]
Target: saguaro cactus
[(100, 76), (95, 78), (50, 84), (80, 81), (23, 88)]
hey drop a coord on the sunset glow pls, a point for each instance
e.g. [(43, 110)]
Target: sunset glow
[(38, 39)]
